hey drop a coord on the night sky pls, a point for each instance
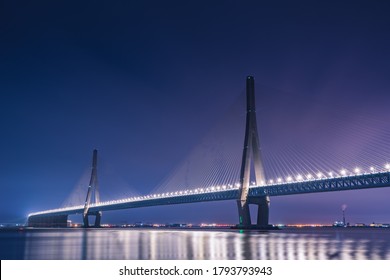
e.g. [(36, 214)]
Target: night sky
[(145, 81)]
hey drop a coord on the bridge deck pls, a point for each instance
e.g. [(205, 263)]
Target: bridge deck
[(356, 182)]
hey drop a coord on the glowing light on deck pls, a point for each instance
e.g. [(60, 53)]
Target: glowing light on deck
[(357, 170)]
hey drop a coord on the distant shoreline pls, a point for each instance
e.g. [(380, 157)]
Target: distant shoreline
[(25, 228)]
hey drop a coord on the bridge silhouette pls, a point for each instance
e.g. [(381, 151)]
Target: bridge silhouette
[(245, 192)]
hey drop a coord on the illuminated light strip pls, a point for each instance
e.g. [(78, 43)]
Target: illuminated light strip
[(213, 189)]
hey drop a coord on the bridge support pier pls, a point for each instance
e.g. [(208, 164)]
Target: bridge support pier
[(98, 217), (262, 203), (245, 221), (244, 213)]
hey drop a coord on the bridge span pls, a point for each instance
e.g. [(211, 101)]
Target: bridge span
[(230, 192), (245, 194)]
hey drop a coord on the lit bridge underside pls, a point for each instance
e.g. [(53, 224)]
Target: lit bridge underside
[(353, 182)]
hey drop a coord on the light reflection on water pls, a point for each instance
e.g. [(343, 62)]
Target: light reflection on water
[(158, 244)]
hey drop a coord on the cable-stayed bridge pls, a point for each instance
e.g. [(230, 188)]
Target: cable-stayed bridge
[(244, 191), (350, 182)]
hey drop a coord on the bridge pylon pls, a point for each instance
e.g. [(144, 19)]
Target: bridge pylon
[(93, 188), (251, 154)]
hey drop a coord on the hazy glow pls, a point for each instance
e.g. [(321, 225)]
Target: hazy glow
[(357, 170)]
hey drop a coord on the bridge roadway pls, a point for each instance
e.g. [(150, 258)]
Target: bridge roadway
[(352, 182)]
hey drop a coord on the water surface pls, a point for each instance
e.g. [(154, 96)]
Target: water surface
[(165, 244)]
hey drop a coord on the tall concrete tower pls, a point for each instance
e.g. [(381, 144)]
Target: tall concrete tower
[(251, 153), (93, 188)]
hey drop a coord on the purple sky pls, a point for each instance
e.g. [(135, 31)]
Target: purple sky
[(144, 81)]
